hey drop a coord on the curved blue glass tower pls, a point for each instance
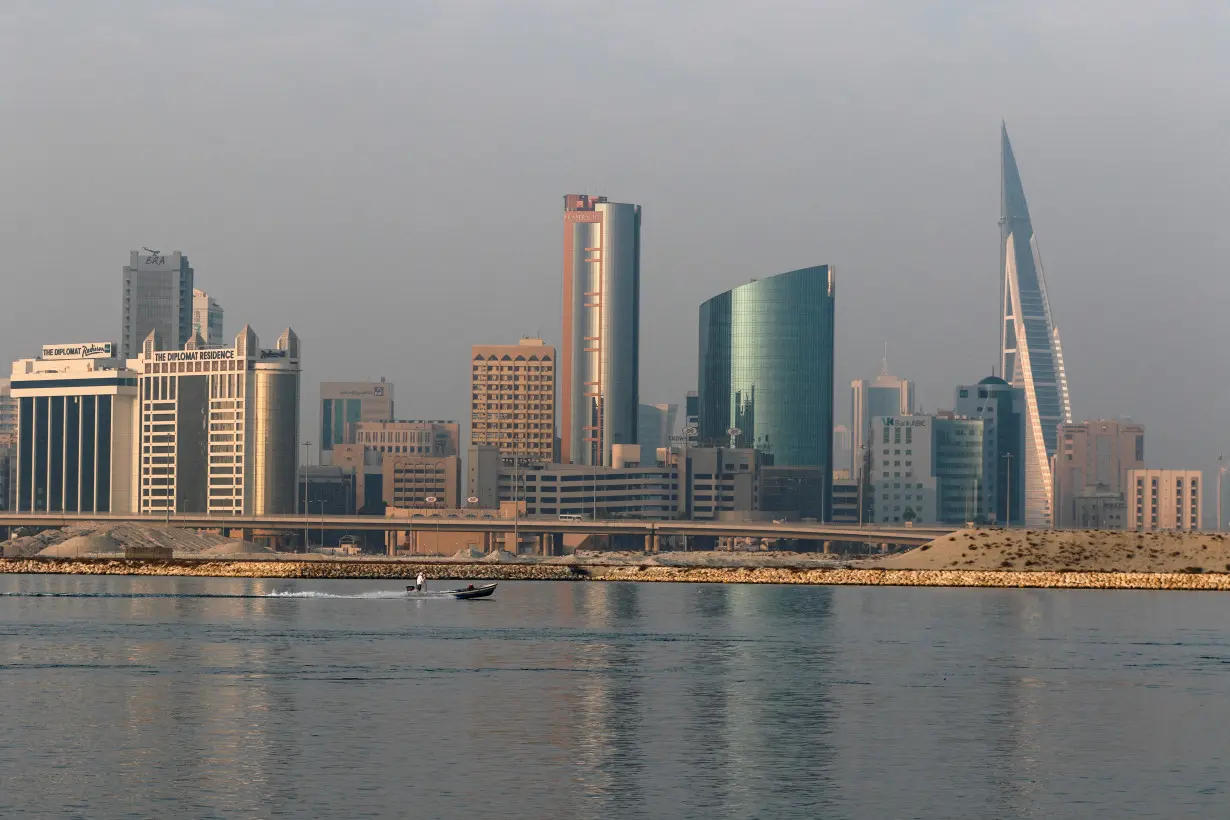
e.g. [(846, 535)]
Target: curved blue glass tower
[(1032, 357), (766, 368)]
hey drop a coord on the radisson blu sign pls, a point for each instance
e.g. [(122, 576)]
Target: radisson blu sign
[(86, 350)]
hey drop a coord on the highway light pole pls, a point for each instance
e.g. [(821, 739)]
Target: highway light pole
[(1221, 471), (306, 515), (1008, 509)]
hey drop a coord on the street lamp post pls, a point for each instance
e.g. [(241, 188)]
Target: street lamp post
[(1221, 471), (516, 503), (306, 514), (862, 472), (1008, 487), (322, 521)]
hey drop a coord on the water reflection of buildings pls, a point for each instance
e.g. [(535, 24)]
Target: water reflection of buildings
[(688, 704), (952, 666)]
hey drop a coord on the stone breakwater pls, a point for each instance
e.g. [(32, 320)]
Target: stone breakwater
[(596, 572)]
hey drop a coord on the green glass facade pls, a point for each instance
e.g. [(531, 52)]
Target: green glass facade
[(336, 417), (766, 368)]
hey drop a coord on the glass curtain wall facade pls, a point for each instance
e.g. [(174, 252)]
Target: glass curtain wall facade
[(1032, 357), (600, 351), (959, 461), (766, 370), (157, 297)]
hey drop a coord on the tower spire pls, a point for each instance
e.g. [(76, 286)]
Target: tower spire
[(1030, 356)]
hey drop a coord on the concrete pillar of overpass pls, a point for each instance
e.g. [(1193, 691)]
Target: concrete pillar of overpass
[(656, 545)]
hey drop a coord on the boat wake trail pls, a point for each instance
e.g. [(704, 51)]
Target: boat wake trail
[(376, 595)]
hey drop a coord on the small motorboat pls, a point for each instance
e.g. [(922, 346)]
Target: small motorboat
[(482, 591)]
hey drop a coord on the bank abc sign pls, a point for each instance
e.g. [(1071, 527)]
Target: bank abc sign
[(87, 350), (889, 421)]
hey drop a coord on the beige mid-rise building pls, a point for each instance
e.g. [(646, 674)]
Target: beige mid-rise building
[(512, 399), (1091, 467), (422, 481), (1164, 499), (414, 437)]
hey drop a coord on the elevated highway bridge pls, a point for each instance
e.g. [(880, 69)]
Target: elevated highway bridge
[(543, 528)]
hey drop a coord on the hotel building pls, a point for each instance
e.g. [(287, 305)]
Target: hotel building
[(219, 426), (76, 427), (600, 350), (512, 399)]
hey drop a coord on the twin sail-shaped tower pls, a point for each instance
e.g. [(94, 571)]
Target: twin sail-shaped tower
[(1031, 355)]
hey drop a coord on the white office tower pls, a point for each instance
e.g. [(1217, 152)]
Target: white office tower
[(206, 317)]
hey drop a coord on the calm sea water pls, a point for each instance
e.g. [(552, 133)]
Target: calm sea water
[(136, 697)]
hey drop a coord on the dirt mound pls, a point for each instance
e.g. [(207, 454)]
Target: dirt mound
[(24, 546), (235, 549), (182, 542), (1084, 550), (499, 557), (84, 545), (469, 554)]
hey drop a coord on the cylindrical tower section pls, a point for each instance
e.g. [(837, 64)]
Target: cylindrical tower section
[(766, 369), (621, 325), (600, 354), (275, 424)]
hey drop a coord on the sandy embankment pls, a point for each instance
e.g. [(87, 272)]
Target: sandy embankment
[(372, 570), (966, 558), (1067, 550)]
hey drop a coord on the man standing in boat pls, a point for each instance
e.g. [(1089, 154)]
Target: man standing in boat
[(418, 582)]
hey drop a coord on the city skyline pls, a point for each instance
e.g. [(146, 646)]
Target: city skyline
[(912, 237)]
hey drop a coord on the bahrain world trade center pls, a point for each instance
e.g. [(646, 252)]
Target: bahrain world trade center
[(1032, 358)]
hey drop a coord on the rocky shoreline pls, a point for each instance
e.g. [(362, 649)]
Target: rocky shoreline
[(370, 570)]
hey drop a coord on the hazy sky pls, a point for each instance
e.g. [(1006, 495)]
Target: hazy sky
[(386, 177)]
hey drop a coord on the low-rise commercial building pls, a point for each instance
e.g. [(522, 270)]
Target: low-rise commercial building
[(426, 481), (845, 501), (794, 491), (327, 490), (1164, 499), (710, 483)]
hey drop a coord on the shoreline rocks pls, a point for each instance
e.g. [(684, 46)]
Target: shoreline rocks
[(489, 571)]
